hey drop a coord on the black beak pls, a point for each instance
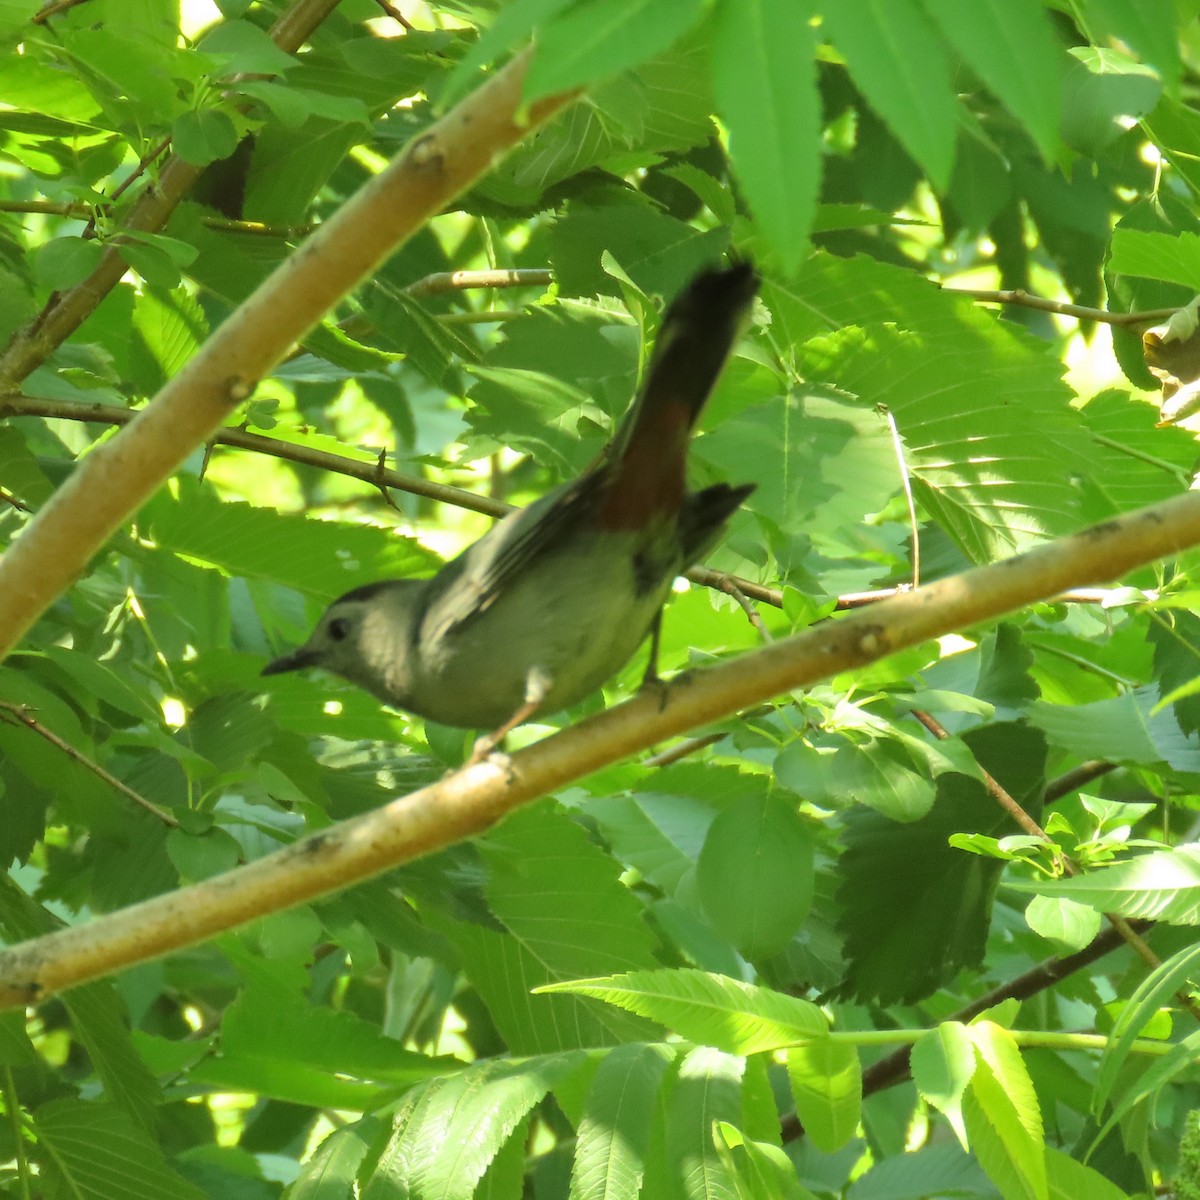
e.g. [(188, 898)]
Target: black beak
[(295, 661)]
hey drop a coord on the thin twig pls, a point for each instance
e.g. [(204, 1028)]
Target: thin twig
[(1027, 823), (689, 746), (77, 208), (53, 9), (366, 471), (396, 15), (21, 714), (730, 587), (12, 500), (1063, 308), (457, 281), (1072, 780), (895, 1069)]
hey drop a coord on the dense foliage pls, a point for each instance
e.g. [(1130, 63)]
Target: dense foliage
[(814, 954)]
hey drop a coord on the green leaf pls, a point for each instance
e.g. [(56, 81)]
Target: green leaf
[(592, 39), (1150, 27), (1012, 1155), (65, 261), (204, 136), (1163, 886), (1124, 729), (331, 1171), (943, 1062), (826, 1080), (16, 1050), (1066, 922), (898, 63), (618, 1117), (732, 1016), (922, 353), (1133, 1021), (318, 557), (755, 874), (869, 775), (707, 1090), (1173, 257), (244, 48), (758, 1169), (89, 1149), (1012, 46), (449, 1130), (1068, 1179), (765, 83), (565, 914)]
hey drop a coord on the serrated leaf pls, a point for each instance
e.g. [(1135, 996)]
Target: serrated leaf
[(1173, 257), (765, 84), (450, 1129), (826, 1081), (592, 39), (898, 63), (619, 1114), (1013, 1159), (732, 1016), (1012, 46), (319, 557), (1158, 988), (943, 1061), (89, 1149)]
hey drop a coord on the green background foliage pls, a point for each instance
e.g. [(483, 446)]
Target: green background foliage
[(615, 991)]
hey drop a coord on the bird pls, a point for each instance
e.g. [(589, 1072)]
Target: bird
[(557, 597)]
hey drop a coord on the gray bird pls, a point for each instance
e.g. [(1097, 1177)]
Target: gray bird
[(556, 598)]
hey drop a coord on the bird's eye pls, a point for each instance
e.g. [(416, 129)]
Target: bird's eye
[(339, 628)]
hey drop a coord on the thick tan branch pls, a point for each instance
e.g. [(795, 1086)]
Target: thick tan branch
[(473, 799)]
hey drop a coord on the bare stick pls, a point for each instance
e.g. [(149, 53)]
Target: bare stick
[(22, 714)]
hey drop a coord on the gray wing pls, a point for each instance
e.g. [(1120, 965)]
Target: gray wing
[(470, 583)]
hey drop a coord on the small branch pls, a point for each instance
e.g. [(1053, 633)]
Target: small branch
[(458, 281), (1063, 308), (1027, 823), (20, 714), (755, 591), (8, 498), (368, 471), (396, 15), (77, 208), (473, 799), (895, 1069), (1072, 780), (53, 9), (685, 748), (730, 587)]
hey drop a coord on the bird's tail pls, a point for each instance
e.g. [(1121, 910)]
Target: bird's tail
[(649, 454)]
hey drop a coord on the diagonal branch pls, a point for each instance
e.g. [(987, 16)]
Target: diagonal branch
[(473, 799)]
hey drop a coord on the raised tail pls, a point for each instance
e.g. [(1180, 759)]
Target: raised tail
[(649, 455)]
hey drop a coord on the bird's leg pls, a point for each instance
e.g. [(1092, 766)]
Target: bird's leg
[(651, 680), (651, 677), (537, 686)]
